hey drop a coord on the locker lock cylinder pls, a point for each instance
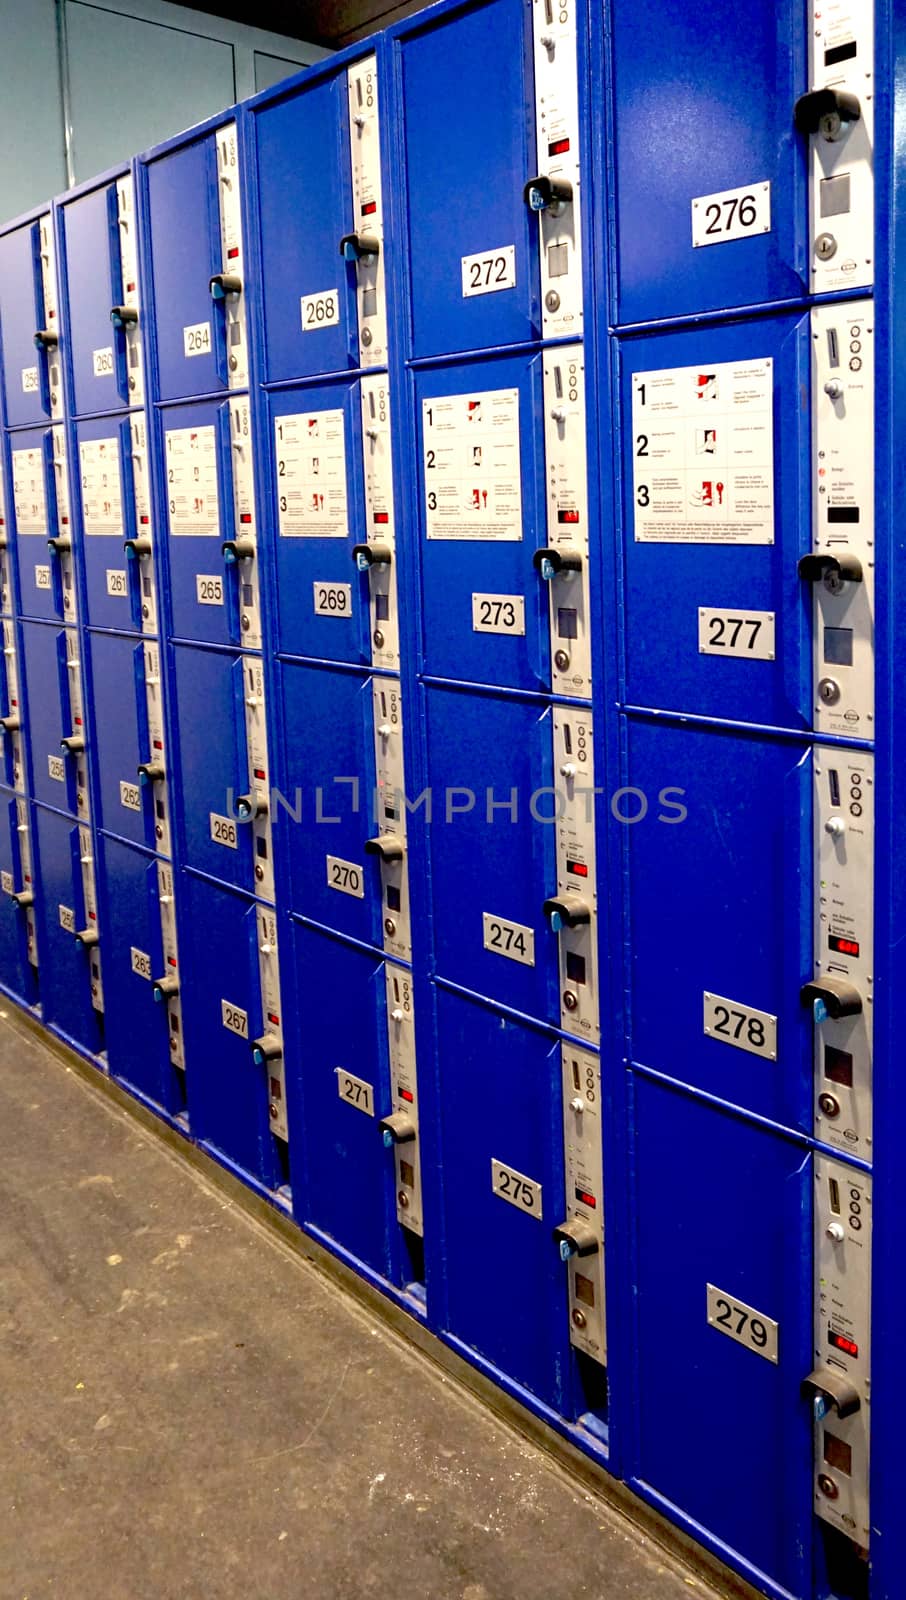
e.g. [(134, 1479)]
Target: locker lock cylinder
[(359, 246), (553, 563), (59, 544), (576, 1238), (366, 556), (833, 998), (23, 898), (86, 938), (828, 112), (832, 571), (11, 722), (123, 316), (72, 744), (224, 283), (398, 1128), (547, 194), (165, 988), (150, 772)]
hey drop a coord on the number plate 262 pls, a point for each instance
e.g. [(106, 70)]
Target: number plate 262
[(731, 1023)]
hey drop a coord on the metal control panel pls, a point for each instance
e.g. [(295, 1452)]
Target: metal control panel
[(91, 924), (51, 323), (380, 527), (144, 526), (567, 519), (390, 813), (155, 773), (557, 133), (840, 1384), (12, 731), (6, 588), (244, 523), (36, 573), (368, 220), (576, 879), (232, 255), (166, 903), (127, 229), (402, 1129), (840, 127), (844, 954), (23, 837), (258, 774), (843, 561), (269, 1046), (582, 1237), (63, 530), (77, 722)]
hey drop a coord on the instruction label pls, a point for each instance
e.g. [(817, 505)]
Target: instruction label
[(310, 451), (191, 456), (28, 491), (102, 495), (470, 462), (703, 454)]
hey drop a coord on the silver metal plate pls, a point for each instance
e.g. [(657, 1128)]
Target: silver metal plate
[(743, 1323), (522, 1192), (728, 1022), (510, 939), (355, 1091)]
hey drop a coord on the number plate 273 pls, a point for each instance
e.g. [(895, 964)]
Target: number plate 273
[(742, 1323)]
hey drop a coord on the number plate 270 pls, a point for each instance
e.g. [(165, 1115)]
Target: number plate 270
[(731, 1023), (742, 1323)]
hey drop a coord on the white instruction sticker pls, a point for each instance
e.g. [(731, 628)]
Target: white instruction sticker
[(310, 451), (192, 481), (28, 491), (102, 494), (102, 361), (489, 271), (703, 454), (731, 214), (471, 466), (320, 310)]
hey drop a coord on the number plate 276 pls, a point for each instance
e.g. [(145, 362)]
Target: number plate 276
[(742, 1323), (731, 1023)]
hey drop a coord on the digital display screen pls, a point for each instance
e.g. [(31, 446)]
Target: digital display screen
[(837, 1453), (261, 847), (586, 1198), (577, 868), (840, 52), (369, 208), (841, 1342), (569, 516), (842, 513), (558, 147), (838, 1066), (585, 1289), (844, 947)]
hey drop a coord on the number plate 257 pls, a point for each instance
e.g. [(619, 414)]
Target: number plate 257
[(731, 1023), (742, 1323)]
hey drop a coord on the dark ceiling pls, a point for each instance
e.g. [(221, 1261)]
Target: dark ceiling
[(328, 22)]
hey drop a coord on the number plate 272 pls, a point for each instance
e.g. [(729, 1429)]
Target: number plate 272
[(742, 1323), (731, 1023)]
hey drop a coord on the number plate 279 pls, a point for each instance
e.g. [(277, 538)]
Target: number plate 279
[(742, 1323), (731, 1023)]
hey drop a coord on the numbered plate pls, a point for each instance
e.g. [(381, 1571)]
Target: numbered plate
[(346, 876), (67, 919), (56, 769), (117, 582), (489, 271), (510, 939), (196, 340), (29, 380), (102, 361), (742, 1026), (130, 796), (320, 310), (742, 1323), (522, 1192), (498, 613), (731, 214), (209, 590), (224, 831), (332, 599), (42, 578), (748, 635), (235, 1020), (141, 963), (355, 1091)]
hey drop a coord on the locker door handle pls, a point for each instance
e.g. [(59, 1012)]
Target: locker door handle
[(23, 898), (241, 548), (124, 316), (250, 806), (398, 1128), (547, 194), (46, 339), (269, 1047), (832, 997), (150, 772), (550, 562), (371, 555), (387, 845), (830, 112), (137, 547), (356, 246), (10, 723), (564, 911), (72, 744), (576, 1238), (60, 543), (86, 938), (831, 1391), (166, 988), (224, 283), (832, 571)]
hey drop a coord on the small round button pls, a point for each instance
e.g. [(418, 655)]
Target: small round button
[(389, 927), (836, 1231), (578, 1318), (402, 1200), (378, 637)]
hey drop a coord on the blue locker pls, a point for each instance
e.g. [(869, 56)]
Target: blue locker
[(505, 1285), (139, 1043), (720, 904), (469, 151), (227, 1091), (297, 259), (723, 1436), (126, 756), (343, 1091), (106, 513), (71, 985), (183, 243), (676, 66), (198, 515), (98, 262), (327, 777), (490, 874), (482, 519), (315, 444), (58, 735), (43, 524), (211, 759), (717, 624), (18, 952), (28, 318)]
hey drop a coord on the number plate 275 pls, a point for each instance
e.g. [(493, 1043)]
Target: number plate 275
[(522, 1192), (731, 1023), (742, 1323)]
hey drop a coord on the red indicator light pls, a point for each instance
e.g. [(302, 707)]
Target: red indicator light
[(844, 947), (369, 208), (130, 288), (272, 1017), (586, 1199), (51, 315), (2, 522), (171, 961), (65, 521), (406, 1094), (92, 916), (577, 868), (28, 877), (260, 773), (382, 516), (77, 721), (158, 744), (144, 519), (840, 1342), (558, 147), (245, 516), (232, 254), (14, 702), (568, 516)]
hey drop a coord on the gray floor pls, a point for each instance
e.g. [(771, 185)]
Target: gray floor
[(189, 1410)]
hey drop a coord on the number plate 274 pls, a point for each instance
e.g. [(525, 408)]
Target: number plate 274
[(742, 1323), (731, 1023)]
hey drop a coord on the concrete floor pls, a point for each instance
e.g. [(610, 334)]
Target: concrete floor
[(191, 1411)]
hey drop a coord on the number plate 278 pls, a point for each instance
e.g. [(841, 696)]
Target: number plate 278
[(742, 1323), (731, 1023)]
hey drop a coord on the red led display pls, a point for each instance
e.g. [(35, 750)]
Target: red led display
[(272, 1017), (840, 1342), (369, 208), (260, 773), (844, 947), (568, 516), (232, 254), (558, 147), (586, 1199), (382, 516), (406, 1094), (245, 516), (577, 868)]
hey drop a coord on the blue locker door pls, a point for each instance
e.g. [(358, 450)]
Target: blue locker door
[(121, 737), (720, 905), (482, 515), (506, 1288), (69, 971), (138, 1035), (221, 1008), (103, 472), (469, 151), (723, 1435), (92, 255), (57, 776), (326, 775), (716, 453), (729, 78), (210, 690), (39, 517), (317, 509), (184, 221), (21, 316), (298, 259), (16, 972), (343, 1091), (197, 504), (491, 873)]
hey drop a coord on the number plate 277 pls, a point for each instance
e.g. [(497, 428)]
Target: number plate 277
[(731, 1023), (742, 1323)]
